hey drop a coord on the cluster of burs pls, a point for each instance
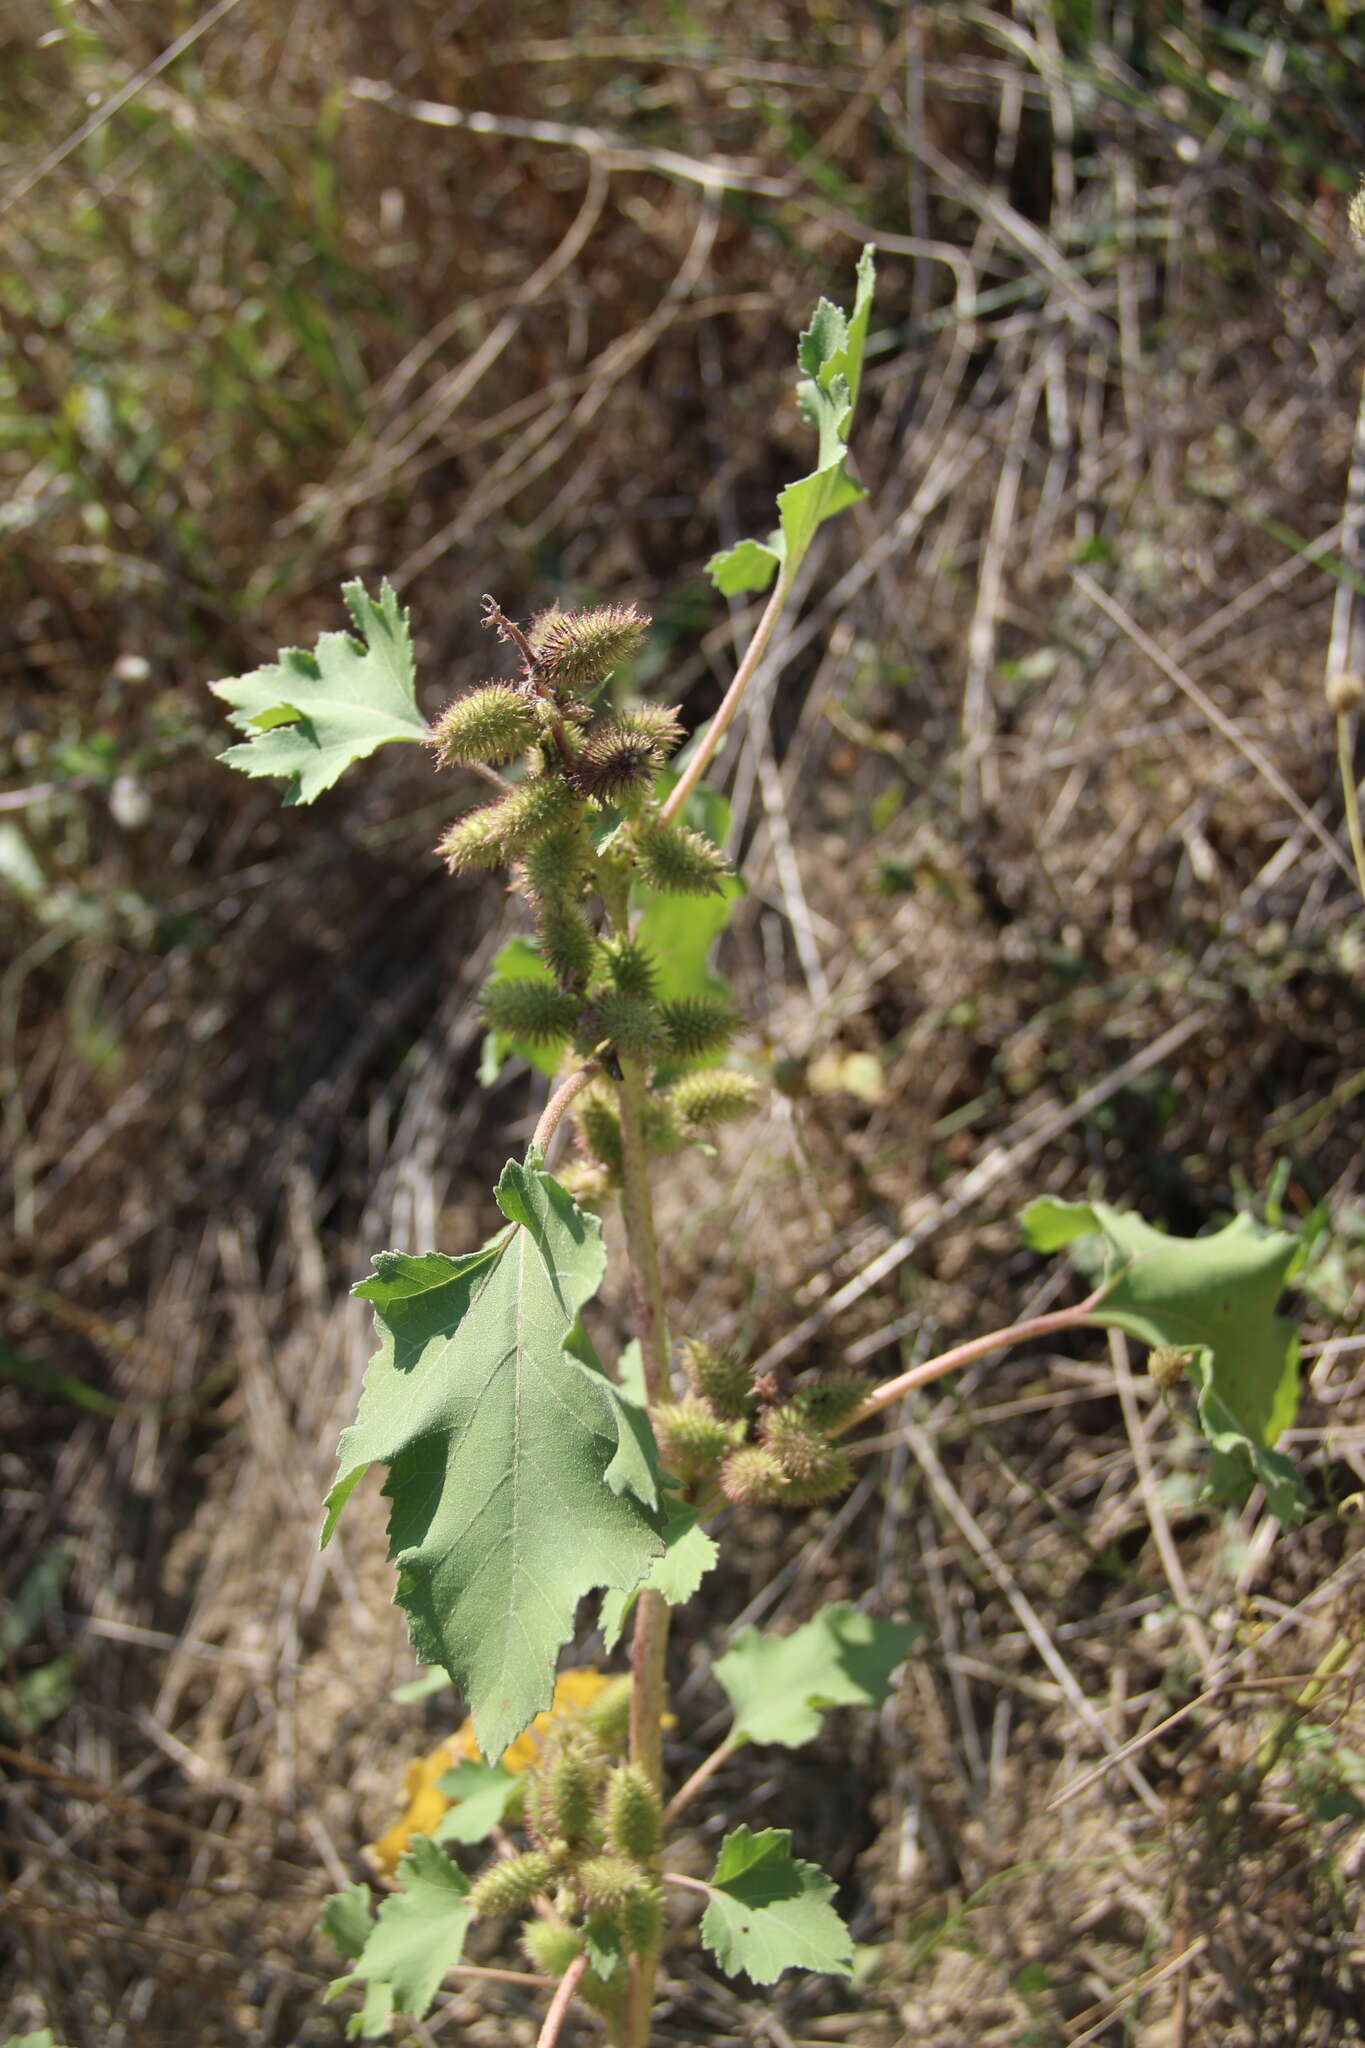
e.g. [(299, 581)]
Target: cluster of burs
[(591, 1878), (582, 833), (579, 830)]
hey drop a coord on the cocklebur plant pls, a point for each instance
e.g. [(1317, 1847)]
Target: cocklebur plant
[(522, 1474)]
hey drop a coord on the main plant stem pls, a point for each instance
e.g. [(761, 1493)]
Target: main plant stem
[(650, 1642)]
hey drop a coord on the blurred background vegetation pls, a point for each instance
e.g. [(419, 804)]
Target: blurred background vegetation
[(503, 297)]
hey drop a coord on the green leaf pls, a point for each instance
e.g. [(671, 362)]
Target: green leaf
[(516, 1484), (518, 960), (830, 353), (1213, 1297), (482, 1793), (748, 565), (38, 1696), (346, 1919), (770, 1913), (42, 2039), (429, 1679), (418, 1935), (688, 1556), (308, 716), (38, 1591), (780, 1685)]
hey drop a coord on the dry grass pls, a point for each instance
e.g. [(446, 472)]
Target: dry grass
[(268, 327)]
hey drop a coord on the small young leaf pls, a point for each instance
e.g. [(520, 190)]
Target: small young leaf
[(780, 1685), (689, 1556), (1213, 1297), (418, 1936), (830, 352), (770, 1912), (516, 1485), (308, 716), (482, 1793), (748, 565), (346, 1919)]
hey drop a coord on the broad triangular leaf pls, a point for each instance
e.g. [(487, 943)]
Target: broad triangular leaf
[(1213, 1297), (418, 1935), (780, 1685), (830, 353), (310, 715), (770, 1913), (482, 1794), (688, 1557), (503, 1452)]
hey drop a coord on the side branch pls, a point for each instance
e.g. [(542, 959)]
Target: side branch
[(559, 2004), (730, 703), (559, 1102), (1079, 1317)]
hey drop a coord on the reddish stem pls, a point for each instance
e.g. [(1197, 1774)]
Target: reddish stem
[(975, 1347), (559, 2004)]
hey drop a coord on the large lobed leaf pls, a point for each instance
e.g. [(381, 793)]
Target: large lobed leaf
[(308, 716), (517, 1481), (830, 353), (770, 1912), (418, 1935), (1213, 1298), (780, 1685)]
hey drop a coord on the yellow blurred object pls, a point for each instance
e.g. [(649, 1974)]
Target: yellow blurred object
[(427, 1804)]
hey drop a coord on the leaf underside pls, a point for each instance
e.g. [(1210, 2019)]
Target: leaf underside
[(309, 716), (516, 1484), (1215, 1298)]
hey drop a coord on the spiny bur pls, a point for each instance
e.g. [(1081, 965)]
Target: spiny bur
[(752, 1477), (798, 1445), (598, 1123), (608, 1716), (632, 1815), (510, 1886), (715, 1096), (531, 810), (679, 862), (723, 1381), (565, 941), (633, 1026), (491, 724), (559, 862), (697, 1026), (531, 1009), (568, 1781), (619, 758), (831, 1474), (605, 1882), (828, 1399), (631, 967), (473, 841), (693, 1438), (577, 651), (550, 1946), (642, 1921)]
